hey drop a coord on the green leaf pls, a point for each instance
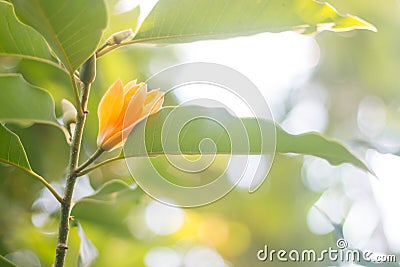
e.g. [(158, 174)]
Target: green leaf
[(111, 191), (255, 136), (109, 206), (22, 102), (72, 28), (19, 40), (316, 144), (176, 21), (13, 153), (11, 150)]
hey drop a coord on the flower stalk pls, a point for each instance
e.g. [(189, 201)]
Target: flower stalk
[(89, 161)]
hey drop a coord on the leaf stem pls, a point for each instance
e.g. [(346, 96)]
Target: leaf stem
[(65, 132), (101, 48), (110, 48), (106, 49), (71, 176), (83, 172), (40, 179), (8, 262), (92, 158), (47, 185)]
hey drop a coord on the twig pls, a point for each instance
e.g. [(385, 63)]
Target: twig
[(71, 178)]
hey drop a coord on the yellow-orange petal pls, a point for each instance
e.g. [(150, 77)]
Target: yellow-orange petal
[(113, 142), (129, 85), (122, 108), (132, 116), (154, 101), (109, 110), (135, 107), (131, 92), (157, 106)]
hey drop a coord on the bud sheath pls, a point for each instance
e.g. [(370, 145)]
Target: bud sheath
[(88, 70)]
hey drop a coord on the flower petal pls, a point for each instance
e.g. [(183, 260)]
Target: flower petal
[(134, 107), (109, 110), (129, 92), (113, 142), (131, 117), (122, 108), (129, 85), (153, 103)]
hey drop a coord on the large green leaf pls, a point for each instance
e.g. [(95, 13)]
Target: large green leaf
[(22, 102), (255, 136), (11, 150), (177, 21), (72, 28), (19, 40), (13, 153), (317, 145), (109, 206)]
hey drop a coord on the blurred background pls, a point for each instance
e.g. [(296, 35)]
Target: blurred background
[(344, 85)]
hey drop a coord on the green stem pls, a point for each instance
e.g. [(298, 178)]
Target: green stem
[(71, 178), (106, 50), (40, 179), (6, 261), (47, 185), (101, 48), (110, 48), (98, 165), (64, 130), (83, 172), (92, 158)]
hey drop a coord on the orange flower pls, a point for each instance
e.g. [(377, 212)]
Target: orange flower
[(121, 108)]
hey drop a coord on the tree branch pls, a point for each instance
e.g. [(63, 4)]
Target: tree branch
[(71, 178)]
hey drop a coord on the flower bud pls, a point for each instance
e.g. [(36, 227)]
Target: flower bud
[(120, 37), (88, 70), (69, 112)]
